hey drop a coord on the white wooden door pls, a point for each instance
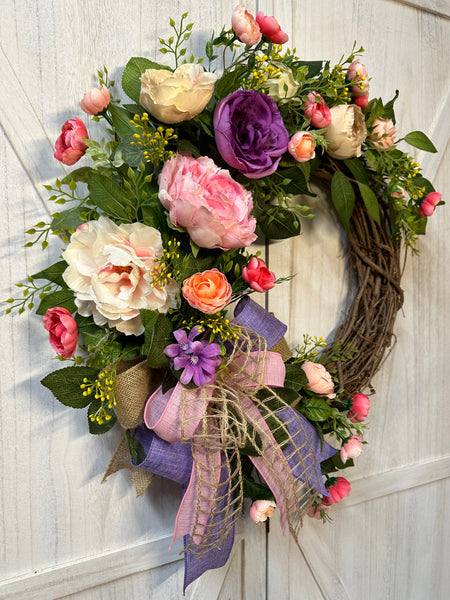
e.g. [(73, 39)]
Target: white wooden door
[(63, 534)]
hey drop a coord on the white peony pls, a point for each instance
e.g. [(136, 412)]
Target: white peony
[(347, 131), (178, 96), (110, 270)]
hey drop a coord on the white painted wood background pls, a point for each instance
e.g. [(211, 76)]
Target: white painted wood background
[(63, 534)]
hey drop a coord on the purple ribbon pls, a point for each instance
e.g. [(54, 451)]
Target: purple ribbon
[(256, 318), (307, 443), (174, 461)]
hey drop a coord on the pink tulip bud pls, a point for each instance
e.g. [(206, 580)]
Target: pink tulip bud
[(383, 132), (261, 510), (314, 511), (360, 408), (245, 26), (258, 276), (362, 101), (70, 146), (429, 204), (338, 490), (96, 100), (270, 28), (63, 331), (352, 448), (357, 74), (316, 111)]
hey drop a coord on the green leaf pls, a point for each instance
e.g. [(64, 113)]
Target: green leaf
[(230, 82), (370, 200), (63, 298), (110, 197), (132, 155), (96, 428), (130, 79), (388, 112), (316, 409), (422, 182), (154, 215), (137, 451), (80, 174), (279, 223), (121, 120), (357, 169), (314, 66), (254, 490), (298, 180), (158, 335), (295, 377), (187, 146), (343, 198), (53, 273), (420, 140), (418, 224), (67, 219), (65, 385)]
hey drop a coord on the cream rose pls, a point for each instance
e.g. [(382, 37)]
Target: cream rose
[(110, 270), (346, 132), (275, 85), (176, 96)]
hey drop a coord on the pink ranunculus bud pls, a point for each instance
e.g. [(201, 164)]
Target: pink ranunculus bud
[(362, 101), (319, 380), (357, 74), (261, 510), (383, 132), (360, 408), (258, 276), (70, 147), (96, 100), (337, 491), (314, 511), (302, 146), (352, 448), (245, 26), (429, 204), (316, 111), (397, 191), (271, 29), (63, 331)]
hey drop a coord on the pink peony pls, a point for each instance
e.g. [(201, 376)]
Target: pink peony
[(70, 147), (63, 331), (337, 491), (261, 510), (316, 111), (429, 204), (245, 26), (302, 146), (319, 380), (360, 408), (258, 276), (352, 448), (270, 28), (96, 100), (383, 132), (357, 73), (208, 202)]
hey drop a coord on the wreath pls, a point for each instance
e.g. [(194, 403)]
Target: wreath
[(156, 235)]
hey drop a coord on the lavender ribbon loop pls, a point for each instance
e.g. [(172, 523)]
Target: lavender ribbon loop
[(307, 443), (173, 460), (254, 317)]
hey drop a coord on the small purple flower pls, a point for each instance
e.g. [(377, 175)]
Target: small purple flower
[(198, 360)]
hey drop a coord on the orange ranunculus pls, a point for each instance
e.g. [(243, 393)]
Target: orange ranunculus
[(208, 292)]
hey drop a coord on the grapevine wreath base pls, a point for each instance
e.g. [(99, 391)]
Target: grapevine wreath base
[(155, 232)]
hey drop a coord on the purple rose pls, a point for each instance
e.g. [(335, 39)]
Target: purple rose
[(250, 133)]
